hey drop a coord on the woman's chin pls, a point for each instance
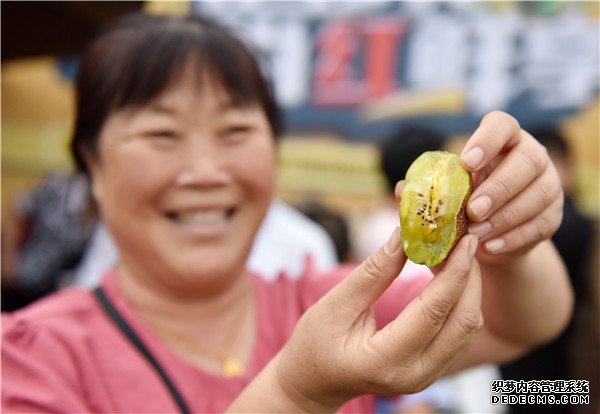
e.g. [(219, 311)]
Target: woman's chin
[(202, 274)]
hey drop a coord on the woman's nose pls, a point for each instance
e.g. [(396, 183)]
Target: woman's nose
[(202, 164)]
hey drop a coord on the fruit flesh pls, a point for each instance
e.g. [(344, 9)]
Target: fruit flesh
[(432, 206)]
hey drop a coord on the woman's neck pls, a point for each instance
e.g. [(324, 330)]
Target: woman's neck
[(184, 306), (207, 330)]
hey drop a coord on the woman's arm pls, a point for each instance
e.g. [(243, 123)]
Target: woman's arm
[(535, 285)]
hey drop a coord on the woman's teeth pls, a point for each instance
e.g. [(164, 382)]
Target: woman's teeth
[(202, 217)]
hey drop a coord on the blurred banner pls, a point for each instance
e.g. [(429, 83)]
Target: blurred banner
[(359, 71), (344, 66)]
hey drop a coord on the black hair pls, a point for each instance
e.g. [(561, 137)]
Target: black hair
[(135, 59), (399, 151)]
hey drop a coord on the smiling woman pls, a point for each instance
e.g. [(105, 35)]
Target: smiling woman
[(176, 130), (200, 209), (193, 102)]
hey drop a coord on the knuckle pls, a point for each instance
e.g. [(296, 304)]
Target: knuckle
[(372, 269), (545, 192), (521, 235), (559, 211), (497, 116), (515, 238), (537, 157), (504, 217), (547, 225), (543, 152), (470, 323), (387, 380), (393, 377), (539, 200), (419, 386), (554, 184), (422, 383), (540, 229), (504, 187), (500, 118), (423, 374), (435, 312)]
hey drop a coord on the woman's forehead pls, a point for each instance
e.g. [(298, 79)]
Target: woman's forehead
[(186, 96), (188, 90), (195, 81)]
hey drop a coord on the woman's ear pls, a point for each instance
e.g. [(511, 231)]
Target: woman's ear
[(92, 163)]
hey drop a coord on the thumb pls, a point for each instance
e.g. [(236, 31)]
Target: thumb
[(361, 288)]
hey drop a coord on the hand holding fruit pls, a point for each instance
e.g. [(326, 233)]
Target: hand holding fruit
[(515, 203), (342, 355), (517, 200)]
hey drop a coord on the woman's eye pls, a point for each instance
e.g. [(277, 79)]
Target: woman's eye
[(161, 134), (238, 131)]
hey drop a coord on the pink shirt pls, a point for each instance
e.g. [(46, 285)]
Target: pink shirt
[(63, 354)]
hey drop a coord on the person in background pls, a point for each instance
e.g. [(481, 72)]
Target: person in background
[(47, 237), (574, 240), (176, 128)]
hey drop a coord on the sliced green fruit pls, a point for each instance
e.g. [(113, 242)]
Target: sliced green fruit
[(432, 207)]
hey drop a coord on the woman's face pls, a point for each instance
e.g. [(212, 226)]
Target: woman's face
[(184, 182)]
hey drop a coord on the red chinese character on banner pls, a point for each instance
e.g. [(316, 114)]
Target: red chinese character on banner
[(336, 78)]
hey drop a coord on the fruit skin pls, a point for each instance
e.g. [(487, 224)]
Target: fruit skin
[(432, 208)]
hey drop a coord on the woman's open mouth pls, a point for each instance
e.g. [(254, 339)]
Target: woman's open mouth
[(205, 221)]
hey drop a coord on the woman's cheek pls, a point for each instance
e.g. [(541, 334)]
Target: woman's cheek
[(263, 165), (143, 169)]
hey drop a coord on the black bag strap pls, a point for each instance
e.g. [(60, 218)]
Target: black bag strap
[(116, 317)]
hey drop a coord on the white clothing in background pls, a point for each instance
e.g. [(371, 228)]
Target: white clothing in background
[(284, 240)]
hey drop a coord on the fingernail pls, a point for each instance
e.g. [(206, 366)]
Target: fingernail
[(495, 245), (393, 243), (399, 187), (473, 157), (480, 229), (480, 206), (473, 246)]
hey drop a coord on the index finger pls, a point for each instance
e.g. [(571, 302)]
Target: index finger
[(497, 131)]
